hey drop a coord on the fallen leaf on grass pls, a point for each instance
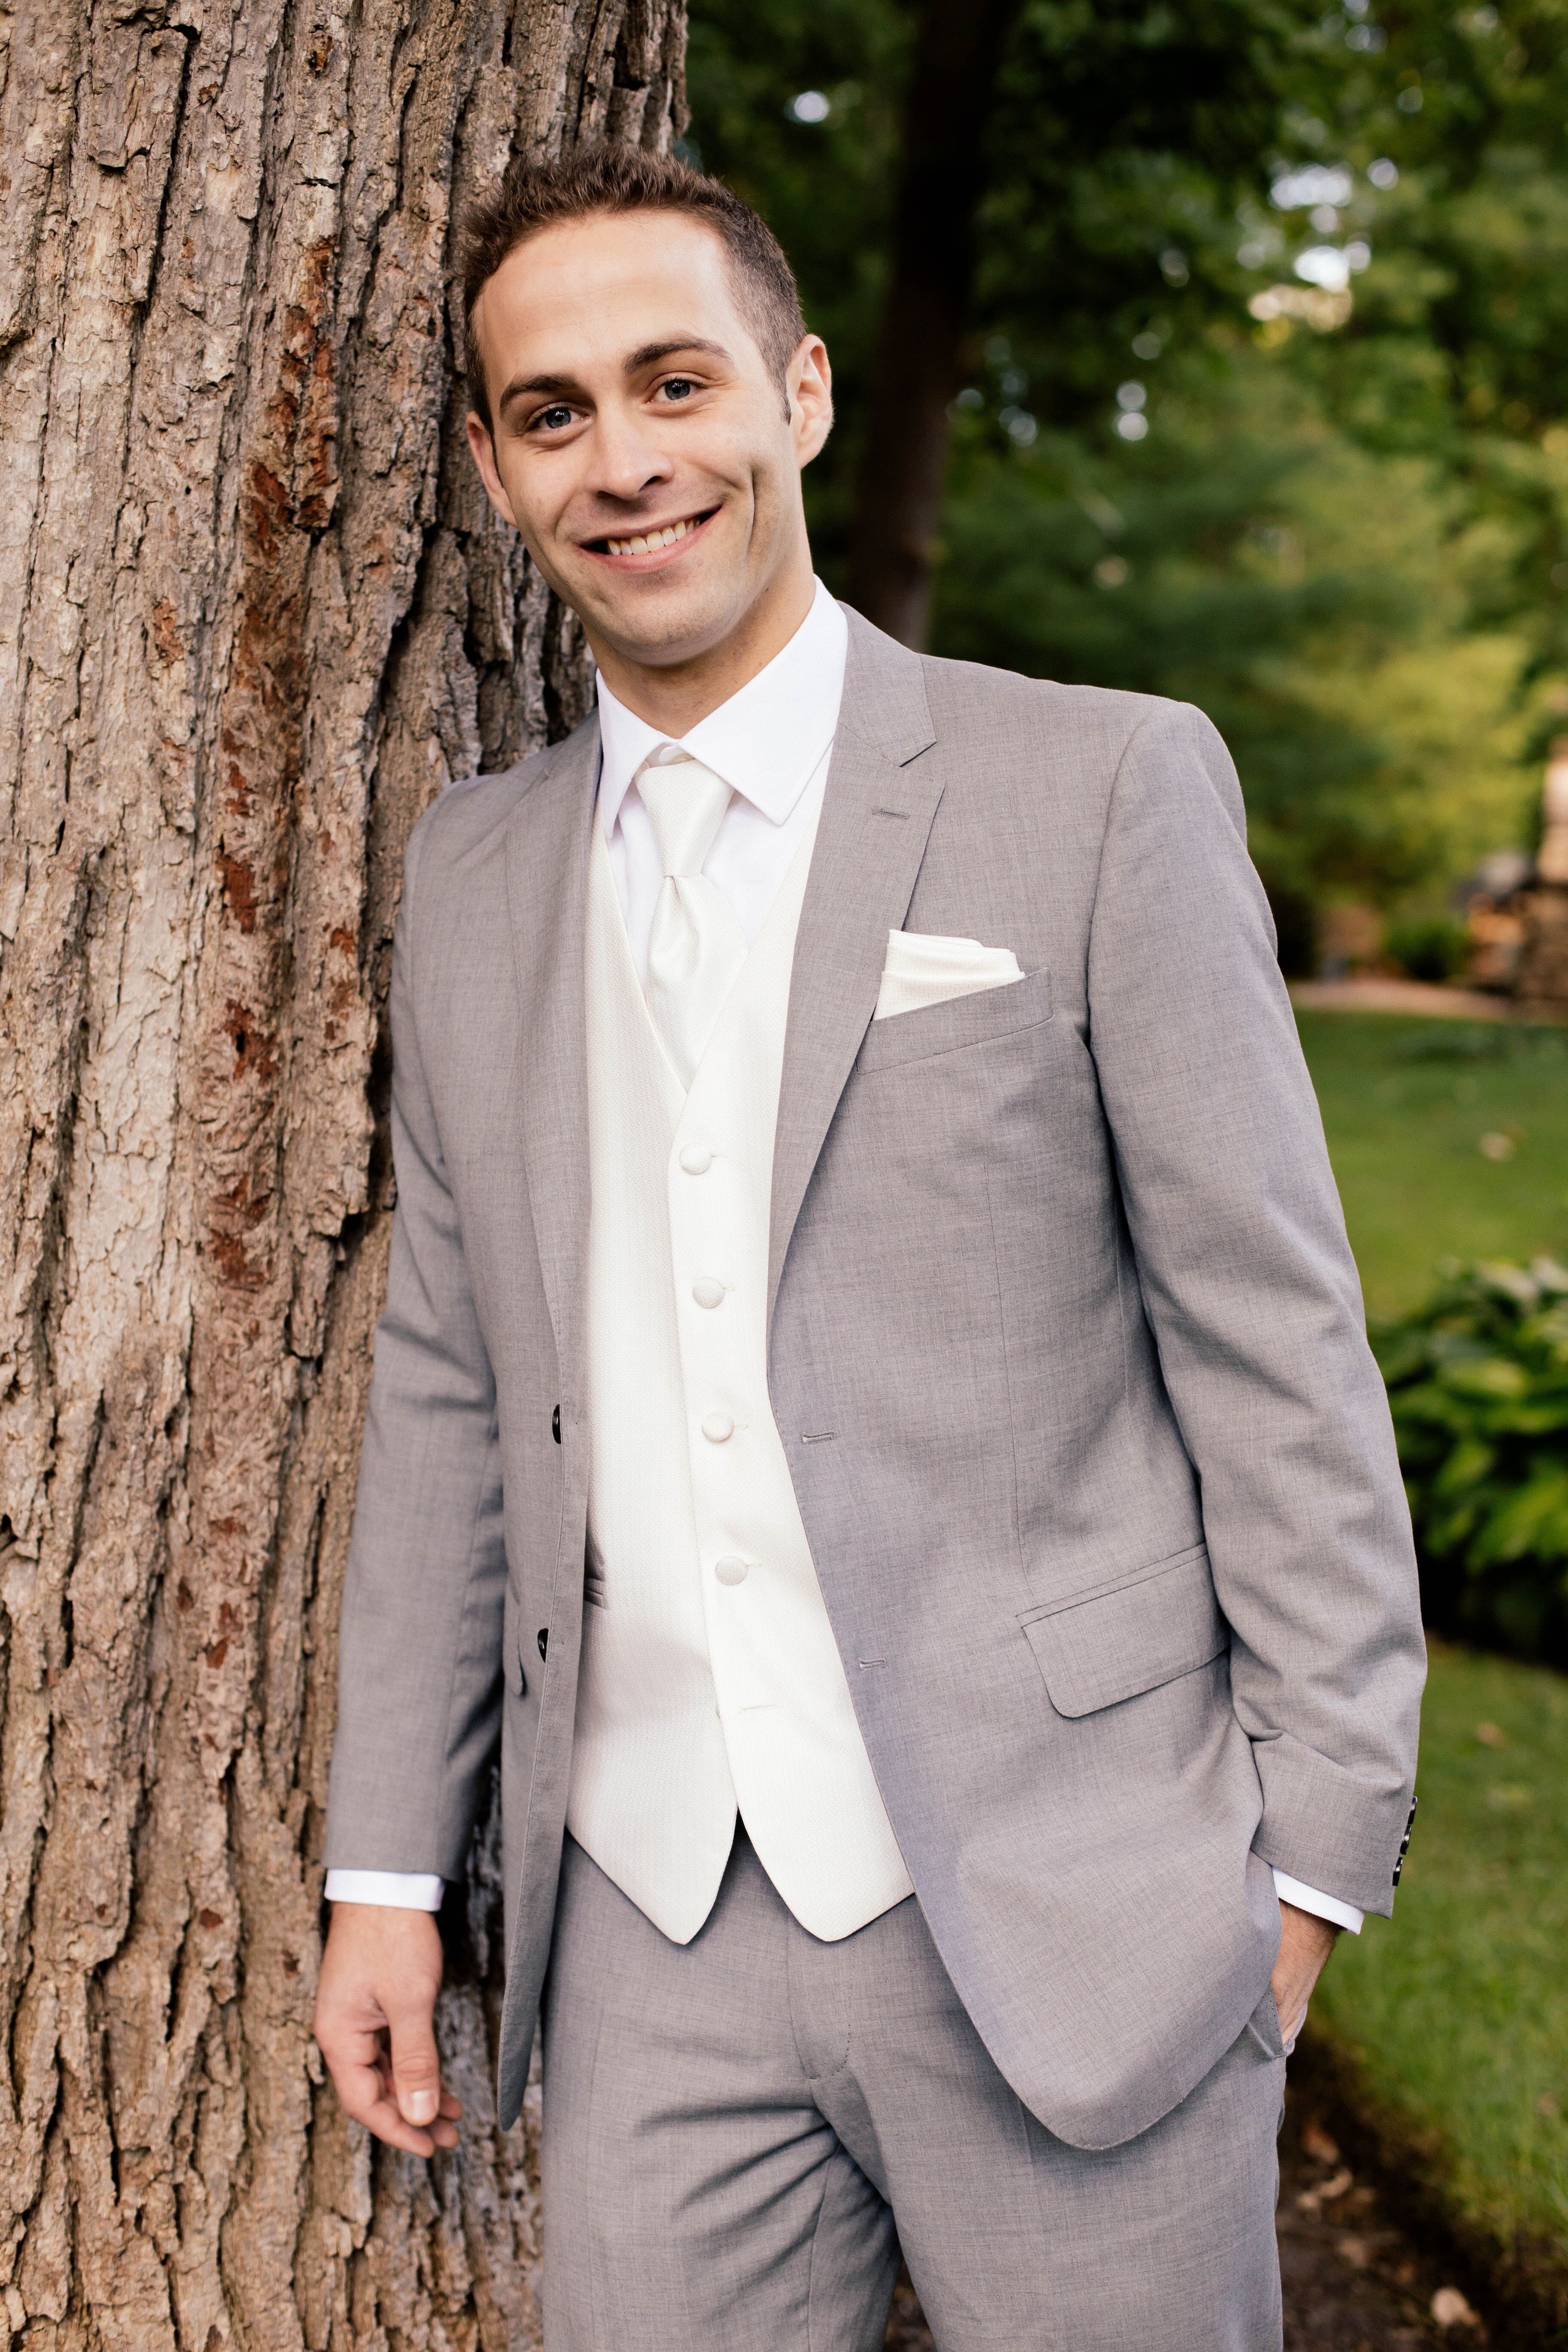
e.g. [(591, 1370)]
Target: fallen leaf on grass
[(1548, 2105), (1318, 2146), (1491, 1735), (1449, 2309)]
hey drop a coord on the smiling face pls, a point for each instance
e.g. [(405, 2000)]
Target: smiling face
[(642, 446)]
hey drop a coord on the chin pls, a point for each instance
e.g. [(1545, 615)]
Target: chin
[(659, 626)]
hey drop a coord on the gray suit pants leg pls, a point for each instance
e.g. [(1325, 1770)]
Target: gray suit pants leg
[(740, 2132)]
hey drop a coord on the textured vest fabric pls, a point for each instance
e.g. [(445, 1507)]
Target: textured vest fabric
[(711, 1678)]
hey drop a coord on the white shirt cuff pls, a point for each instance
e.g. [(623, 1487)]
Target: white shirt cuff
[(405, 1890), (1305, 1898)]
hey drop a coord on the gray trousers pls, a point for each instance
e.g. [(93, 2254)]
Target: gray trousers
[(740, 2133)]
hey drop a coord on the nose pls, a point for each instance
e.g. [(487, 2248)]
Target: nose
[(625, 461)]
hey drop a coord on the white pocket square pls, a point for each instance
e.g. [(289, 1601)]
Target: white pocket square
[(923, 969)]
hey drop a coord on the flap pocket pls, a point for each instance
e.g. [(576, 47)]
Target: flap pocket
[(1162, 1622)]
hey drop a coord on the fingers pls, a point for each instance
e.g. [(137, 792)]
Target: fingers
[(361, 2072), (381, 2115), (365, 2091), (415, 2066)]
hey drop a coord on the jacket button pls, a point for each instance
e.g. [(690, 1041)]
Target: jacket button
[(556, 1425), (708, 1292), (544, 1639), (729, 1571), (696, 1159), (716, 1427)]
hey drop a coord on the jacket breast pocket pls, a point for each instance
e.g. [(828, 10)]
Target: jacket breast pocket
[(957, 1022), (1097, 1651)]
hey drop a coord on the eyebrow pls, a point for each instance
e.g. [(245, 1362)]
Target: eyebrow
[(651, 355), (647, 355), (519, 385)]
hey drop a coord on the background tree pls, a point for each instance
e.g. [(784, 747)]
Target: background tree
[(253, 615), (1260, 395), (915, 370)]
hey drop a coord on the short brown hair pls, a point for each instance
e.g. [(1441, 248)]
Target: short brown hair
[(602, 178)]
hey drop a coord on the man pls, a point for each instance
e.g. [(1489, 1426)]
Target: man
[(872, 1396)]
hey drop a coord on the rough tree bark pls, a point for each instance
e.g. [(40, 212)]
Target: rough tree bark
[(253, 615), (915, 371)]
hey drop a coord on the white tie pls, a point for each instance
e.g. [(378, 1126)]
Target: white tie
[(697, 947)]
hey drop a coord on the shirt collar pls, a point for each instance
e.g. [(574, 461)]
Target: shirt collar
[(765, 741)]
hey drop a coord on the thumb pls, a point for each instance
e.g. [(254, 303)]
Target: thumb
[(415, 2066)]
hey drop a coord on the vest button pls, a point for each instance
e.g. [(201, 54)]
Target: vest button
[(716, 1427), (696, 1159), (707, 1292), (729, 1571)]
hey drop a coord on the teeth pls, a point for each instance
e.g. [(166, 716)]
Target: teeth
[(654, 539)]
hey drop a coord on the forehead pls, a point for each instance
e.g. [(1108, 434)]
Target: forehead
[(579, 295)]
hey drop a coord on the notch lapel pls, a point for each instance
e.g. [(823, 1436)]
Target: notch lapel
[(877, 813), (547, 898)]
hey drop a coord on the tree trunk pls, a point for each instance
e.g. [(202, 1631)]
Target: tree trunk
[(915, 372), (254, 613)]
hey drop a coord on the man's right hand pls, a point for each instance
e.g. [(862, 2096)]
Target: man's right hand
[(375, 2010)]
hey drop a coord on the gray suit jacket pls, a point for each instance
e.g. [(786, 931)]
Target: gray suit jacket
[(1101, 1483)]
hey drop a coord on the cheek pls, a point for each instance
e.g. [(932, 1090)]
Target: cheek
[(540, 495), (769, 486)]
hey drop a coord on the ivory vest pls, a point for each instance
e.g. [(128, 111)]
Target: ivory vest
[(711, 1678)]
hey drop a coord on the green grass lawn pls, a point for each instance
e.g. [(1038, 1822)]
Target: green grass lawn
[(1406, 1103), (1457, 2012), (1457, 2009)]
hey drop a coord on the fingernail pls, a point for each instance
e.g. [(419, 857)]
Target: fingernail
[(419, 2108)]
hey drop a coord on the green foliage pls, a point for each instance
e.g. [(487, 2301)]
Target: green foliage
[(1347, 541), (1477, 1379), (1249, 560), (1123, 131), (1461, 317), (1456, 2010), (1429, 947), (1450, 1139)]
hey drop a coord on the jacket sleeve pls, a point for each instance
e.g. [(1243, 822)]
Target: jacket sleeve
[(1253, 1299), (419, 1676)]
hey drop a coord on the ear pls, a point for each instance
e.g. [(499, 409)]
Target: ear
[(483, 449), (809, 381)]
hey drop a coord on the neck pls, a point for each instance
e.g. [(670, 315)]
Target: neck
[(674, 696)]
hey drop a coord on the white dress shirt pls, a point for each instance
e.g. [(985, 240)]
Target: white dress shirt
[(771, 743)]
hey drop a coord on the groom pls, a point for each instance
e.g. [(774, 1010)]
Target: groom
[(872, 1413)]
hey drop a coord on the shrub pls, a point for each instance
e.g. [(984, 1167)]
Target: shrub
[(1429, 947), (1477, 1379)]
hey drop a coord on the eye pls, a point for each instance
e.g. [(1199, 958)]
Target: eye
[(679, 387), (551, 420)]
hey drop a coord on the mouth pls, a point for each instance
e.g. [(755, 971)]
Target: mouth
[(646, 550)]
